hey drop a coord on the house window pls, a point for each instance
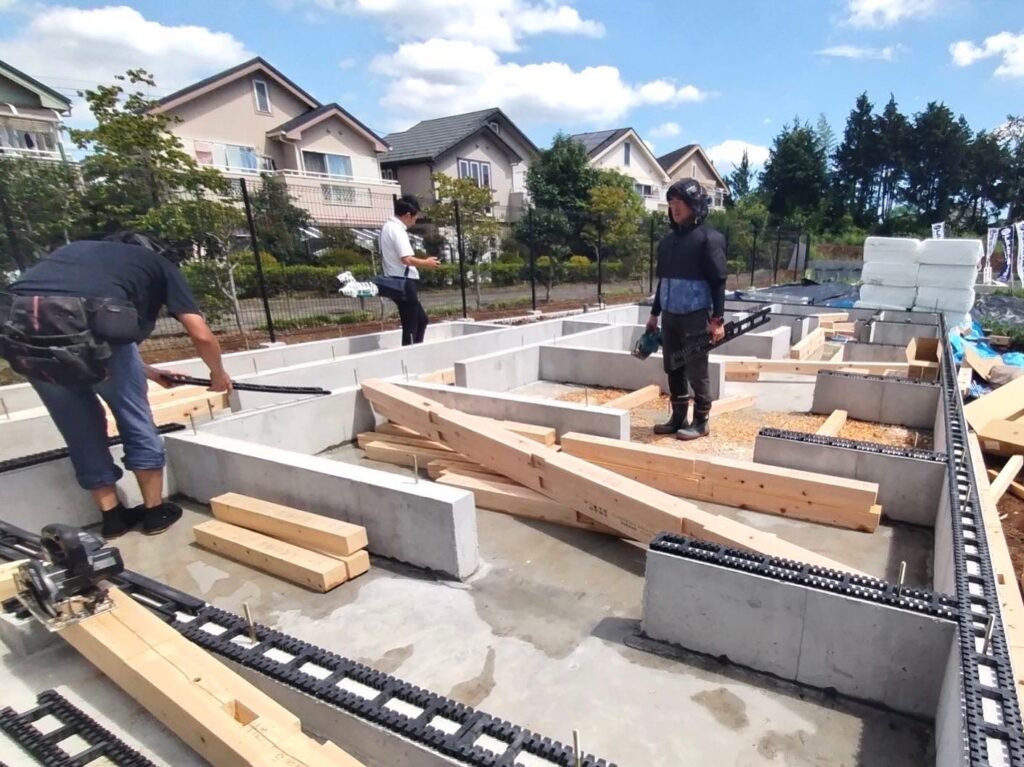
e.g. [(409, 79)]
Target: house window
[(480, 172), (626, 148), (262, 93), (644, 190), (494, 127), (243, 159), (388, 174), (334, 165), (719, 198), (26, 134)]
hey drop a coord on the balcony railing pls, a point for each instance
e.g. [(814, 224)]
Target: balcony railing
[(309, 176), (33, 154)]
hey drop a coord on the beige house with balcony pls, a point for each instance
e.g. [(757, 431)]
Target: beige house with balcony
[(691, 161), (485, 146), (622, 150), (30, 116), (251, 120)]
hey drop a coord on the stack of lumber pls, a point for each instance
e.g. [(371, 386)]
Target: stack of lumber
[(311, 550), (750, 369), (634, 509), (809, 346), (998, 419)]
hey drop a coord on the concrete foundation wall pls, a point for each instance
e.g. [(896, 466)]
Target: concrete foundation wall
[(944, 568), (899, 333), (500, 371), (856, 351), (865, 650), (562, 416), (950, 750), (798, 309), (879, 400), (48, 492), (18, 397), (909, 489), (28, 436), (422, 523), (768, 345)]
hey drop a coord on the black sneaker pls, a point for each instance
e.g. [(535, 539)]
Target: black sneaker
[(116, 522), (159, 518)]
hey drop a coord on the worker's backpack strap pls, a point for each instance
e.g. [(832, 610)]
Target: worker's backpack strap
[(48, 338)]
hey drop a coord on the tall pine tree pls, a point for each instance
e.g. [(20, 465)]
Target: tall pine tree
[(740, 179), (856, 165), (937, 164)]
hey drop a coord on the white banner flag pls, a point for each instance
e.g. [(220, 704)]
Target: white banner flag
[(1019, 229), (939, 231), (1007, 234), (993, 239)]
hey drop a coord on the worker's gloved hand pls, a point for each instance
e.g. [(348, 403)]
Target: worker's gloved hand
[(652, 324), (716, 328), (220, 381)]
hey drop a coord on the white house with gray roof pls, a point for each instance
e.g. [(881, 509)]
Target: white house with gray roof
[(485, 146), (622, 150), (30, 116)]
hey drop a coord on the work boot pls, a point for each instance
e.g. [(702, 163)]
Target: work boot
[(159, 518), (116, 522), (680, 418), (698, 429)]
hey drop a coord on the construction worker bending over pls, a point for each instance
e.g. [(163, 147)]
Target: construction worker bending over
[(691, 299), (71, 324)]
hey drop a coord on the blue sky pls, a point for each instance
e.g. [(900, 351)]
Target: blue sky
[(725, 74)]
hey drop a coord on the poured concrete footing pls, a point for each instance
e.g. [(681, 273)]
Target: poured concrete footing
[(873, 652), (897, 401)]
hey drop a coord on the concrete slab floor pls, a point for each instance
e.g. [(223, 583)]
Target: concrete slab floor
[(546, 636)]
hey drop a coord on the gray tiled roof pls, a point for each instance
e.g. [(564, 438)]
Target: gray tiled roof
[(227, 73), (431, 138), (598, 140), (666, 161), (312, 114), (34, 83)]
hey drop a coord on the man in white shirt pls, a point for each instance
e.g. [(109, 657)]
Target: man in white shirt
[(399, 260)]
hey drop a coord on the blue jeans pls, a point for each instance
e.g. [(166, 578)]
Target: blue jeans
[(79, 417)]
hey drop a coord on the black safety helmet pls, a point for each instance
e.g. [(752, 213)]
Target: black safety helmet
[(691, 192)]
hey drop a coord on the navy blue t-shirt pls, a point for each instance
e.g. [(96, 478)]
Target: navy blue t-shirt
[(92, 269)]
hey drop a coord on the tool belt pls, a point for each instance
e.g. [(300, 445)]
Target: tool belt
[(51, 339)]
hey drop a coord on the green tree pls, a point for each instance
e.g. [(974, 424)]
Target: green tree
[(1012, 135), (616, 209), (479, 227), (856, 166), (795, 177), (134, 163), (41, 205), (741, 179), (894, 136), (936, 162), (988, 181), (561, 178), (279, 221)]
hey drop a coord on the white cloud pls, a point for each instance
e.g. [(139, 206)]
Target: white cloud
[(1008, 46), (888, 53), (730, 153), (81, 48), (650, 146), (886, 13), (666, 130), (440, 76), (497, 24), (767, 121), (347, 63)]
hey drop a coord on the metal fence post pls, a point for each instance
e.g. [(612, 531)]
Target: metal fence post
[(259, 262), (753, 256), (533, 259), (600, 222), (462, 257), (778, 248), (650, 266)]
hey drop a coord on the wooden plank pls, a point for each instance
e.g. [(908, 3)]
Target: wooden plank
[(401, 455), (635, 398), (302, 528), (1002, 404), (633, 509), (832, 317), (546, 435), (805, 367), (833, 424), (7, 570), (733, 403), (436, 468), (414, 443), (809, 345), (981, 365), (1004, 478), (519, 501), (285, 560), (226, 720), (844, 328), (1011, 604), (445, 376), (743, 484), (1002, 437)]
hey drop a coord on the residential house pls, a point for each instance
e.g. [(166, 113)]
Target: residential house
[(30, 116), (251, 120), (485, 146), (623, 150), (691, 161)]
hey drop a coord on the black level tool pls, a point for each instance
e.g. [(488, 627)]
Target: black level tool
[(734, 329), (180, 380)]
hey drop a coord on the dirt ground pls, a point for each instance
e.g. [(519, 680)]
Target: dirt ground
[(1011, 511)]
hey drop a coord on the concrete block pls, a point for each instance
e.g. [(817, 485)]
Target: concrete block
[(25, 636), (874, 652), (899, 333), (855, 351), (912, 404), (880, 400), (714, 610), (909, 489), (771, 344), (422, 523), (28, 436), (562, 416), (882, 654)]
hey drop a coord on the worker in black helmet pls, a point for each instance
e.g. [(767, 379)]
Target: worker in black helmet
[(691, 301)]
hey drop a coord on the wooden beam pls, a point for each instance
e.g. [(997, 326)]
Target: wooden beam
[(809, 345), (1011, 604), (445, 376), (1002, 404), (402, 455), (7, 570), (413, 443), (225, 719), (436, 468), (311, 531), (833, 424), (743, 484), (741, 369), (546, 435), (831, 317), (292, 563), (1004, 478), (730, 404), (633, 509), (518, 501), (635, 398), (843, 328), (1001, 437)]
